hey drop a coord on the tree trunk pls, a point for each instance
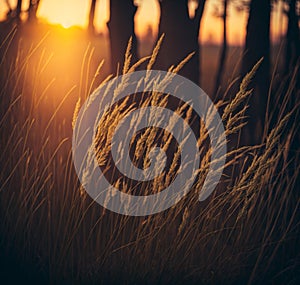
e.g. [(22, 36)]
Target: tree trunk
[(121, 29), (181, 36), (19, 10), (91, 26), (257, 47), (224, 49), (32, 10), (292, 38)]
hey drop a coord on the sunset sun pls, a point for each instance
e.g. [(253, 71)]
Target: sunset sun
[(60, 12)]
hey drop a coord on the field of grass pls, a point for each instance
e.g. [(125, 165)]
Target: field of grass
[(51, 231)]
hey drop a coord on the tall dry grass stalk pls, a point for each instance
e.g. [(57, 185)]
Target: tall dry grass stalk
[(239, 233)]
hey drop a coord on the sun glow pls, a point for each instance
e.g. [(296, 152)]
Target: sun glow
[(65, 13), (66, 26)]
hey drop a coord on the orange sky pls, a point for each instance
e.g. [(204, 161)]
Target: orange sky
[(75, 12)]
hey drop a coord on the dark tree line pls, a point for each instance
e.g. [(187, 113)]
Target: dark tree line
[(15, 13), (181, 33), (182, 38), (257, 46)]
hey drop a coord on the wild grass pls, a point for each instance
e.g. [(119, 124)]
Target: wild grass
[(246, 232)]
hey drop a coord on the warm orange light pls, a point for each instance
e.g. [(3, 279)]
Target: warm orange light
[(66, 26), (75, 12), (66, 13)]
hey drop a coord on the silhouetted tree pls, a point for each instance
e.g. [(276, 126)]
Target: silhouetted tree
[(15, 14), (121, 29), (91, 26), (257, 46), (224, 48), (32, 10), (181, 36), (19, 10), (292, 36)]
